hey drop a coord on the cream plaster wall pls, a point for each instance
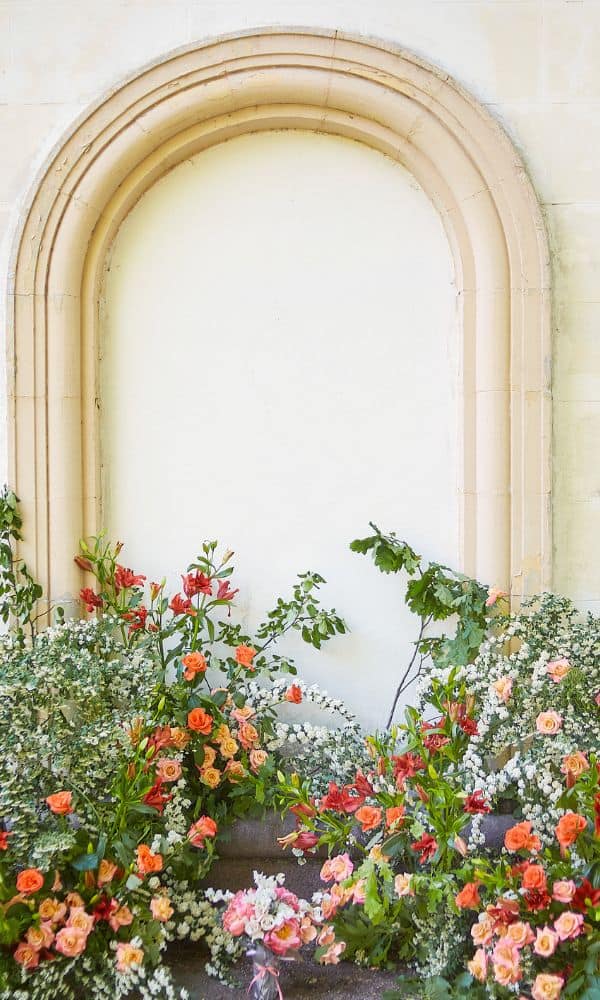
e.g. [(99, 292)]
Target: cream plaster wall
[(280, 366), (533, 64)]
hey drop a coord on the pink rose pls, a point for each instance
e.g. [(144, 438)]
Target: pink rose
[(71, 941), (563, 891), (558, 669), (545, 942), (478, 965), (548, 723), (122, 917), (493, 594), (128, 955), (503, 688), (547, 987), (168, 769), (569, 925), (161, 908), (337, 869)]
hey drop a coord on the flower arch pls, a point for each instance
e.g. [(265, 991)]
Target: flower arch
[(279, 78)]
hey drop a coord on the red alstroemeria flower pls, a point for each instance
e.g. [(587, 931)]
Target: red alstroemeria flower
[(137, 619), (125, 578), (341, 799), (105, 908), (407, 766), (181, 605), (156, 797), (90, 599), (505, 912), (161, 737), (304, 809), (196, 583), (362, 784), (468, 726), (224, 593), (306, 840), (597, 816), (475, 803), (537, 899), (427, 845), (586, 897), (4, 835)]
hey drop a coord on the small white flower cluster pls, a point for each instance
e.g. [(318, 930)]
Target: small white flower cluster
[(262, 697), (320, 753), (512, 680), (197, 917)]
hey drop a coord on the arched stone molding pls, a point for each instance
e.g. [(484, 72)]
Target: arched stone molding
[(297, 79)]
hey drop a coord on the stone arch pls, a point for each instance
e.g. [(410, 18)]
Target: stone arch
[(279, 78)]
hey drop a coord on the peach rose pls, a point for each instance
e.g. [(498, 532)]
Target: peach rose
[(337, 869), (326, 936), (494, 593), (468, 897), (258, 758), (26, 955), (248, 736), (548, 723), (122, 917), (235, 771), (74, 899), (308, 931), (244, 656), (80, 919), (60, 803), (147, 861), (201, 829), (243, 714), (478, 965), (333, 953), (402, 885), (520, 838), (228, 748), (483, 931), (168, 769), (294, 694), (52, 910), (569, 925), (161, 908), (503, 688), (210, 756), (546, 941), (210, 776), (200, 721), (558, 669), (520, 933), (547, 987), (194, 663), (369, 817), (568, 829), (222, 733), (128, 956), (179, 738), (573, 765), (40, 937), (106, 872), (30, 880), (359, 893), (563, 890), (71, 941), (534, 877)]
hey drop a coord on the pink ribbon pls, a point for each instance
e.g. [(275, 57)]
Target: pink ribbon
[(262, 972)]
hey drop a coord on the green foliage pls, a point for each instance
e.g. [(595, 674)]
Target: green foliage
[(19, 593), (434, 593)]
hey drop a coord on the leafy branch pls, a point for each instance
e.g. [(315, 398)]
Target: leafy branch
[(19, 592), (434, 593)]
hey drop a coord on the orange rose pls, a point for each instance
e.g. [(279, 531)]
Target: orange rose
[(147, 861), (244, 656), (30, 880), (573, 765), (468, 898), (248, 735), (394, 816), (60, 803), (534, 877), (294, 694), (201, 829), (369, 817), (520, 838), (200, 721), (194, 663), (568, 829)]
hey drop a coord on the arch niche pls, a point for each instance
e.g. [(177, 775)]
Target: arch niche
[(366, 90)]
